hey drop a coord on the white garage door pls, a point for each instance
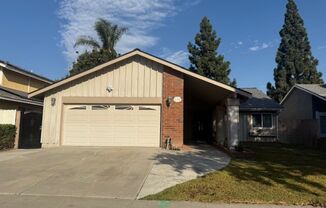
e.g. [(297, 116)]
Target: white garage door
[(111, 125)]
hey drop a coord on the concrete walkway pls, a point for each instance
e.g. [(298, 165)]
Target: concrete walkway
[(175, 167), (18, 201)]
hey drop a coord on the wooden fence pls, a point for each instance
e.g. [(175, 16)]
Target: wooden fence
[(303, 132)]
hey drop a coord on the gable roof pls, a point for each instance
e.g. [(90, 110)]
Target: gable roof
[(17, 96), (317, 90), (259, 102), (20, 70), (138, 52)]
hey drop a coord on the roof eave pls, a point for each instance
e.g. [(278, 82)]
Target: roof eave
[(22, 101), (303, 89), (145, 55), (20, 71), (260, 109)]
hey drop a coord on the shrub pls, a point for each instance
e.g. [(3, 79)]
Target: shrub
[(239, 148), (7, 136)]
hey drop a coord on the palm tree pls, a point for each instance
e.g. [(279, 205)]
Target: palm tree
[(108, 34)]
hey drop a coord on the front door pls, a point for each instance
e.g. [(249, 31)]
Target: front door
[(30, 133), (202, 128)]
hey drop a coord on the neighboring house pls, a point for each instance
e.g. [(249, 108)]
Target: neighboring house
[(304, 116), (15, 106), (138, 99), (258, 117)]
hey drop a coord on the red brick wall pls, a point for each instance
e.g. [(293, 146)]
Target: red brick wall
[(172, 117)]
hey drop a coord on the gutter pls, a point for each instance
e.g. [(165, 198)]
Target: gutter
[(24, 72), (22, 101), (260, 109)]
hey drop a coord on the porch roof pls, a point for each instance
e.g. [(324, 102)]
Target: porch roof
[(259, 102), (18, 97)]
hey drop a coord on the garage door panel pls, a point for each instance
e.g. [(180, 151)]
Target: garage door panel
[(111, 125)]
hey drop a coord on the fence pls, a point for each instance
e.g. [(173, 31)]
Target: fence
[(303, 132)]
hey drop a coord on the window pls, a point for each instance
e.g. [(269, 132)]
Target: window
[(264, 120), (256, 120), (267, 121), (146, 108), (83, 107), (124, 107), (100, 107)]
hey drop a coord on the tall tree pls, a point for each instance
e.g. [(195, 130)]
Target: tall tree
[(88, 60), (295, 62), (103, 50), (203, 55)]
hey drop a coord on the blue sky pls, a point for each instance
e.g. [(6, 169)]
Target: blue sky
[(39, 35)]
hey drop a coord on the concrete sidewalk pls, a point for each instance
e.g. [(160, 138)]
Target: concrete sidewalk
[(29, 201)]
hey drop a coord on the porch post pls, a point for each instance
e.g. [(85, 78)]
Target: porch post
[(18, 124), (232, 123), (220, 126)]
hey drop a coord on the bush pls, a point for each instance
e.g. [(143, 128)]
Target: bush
[(7, 136), (239, 148)]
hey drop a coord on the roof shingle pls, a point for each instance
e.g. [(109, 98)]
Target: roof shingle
[(17, 96), (259, 101), (316, 89)]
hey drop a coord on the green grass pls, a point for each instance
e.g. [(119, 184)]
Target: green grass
[(275, 174)]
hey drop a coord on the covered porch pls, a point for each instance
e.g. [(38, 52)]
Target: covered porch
[(211, 112)]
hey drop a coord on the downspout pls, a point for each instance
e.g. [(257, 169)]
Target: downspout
[(277, 127)]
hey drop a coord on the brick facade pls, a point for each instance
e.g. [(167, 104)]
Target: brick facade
[(172, 117)]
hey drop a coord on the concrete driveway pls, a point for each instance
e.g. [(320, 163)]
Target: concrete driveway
[(76, 171), (108, 172)]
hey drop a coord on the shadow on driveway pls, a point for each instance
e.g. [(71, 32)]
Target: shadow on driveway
[(174, 167), (201, 160)]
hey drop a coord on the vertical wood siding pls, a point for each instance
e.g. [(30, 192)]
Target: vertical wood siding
[(20, 82), (8, 116), (133, 77)]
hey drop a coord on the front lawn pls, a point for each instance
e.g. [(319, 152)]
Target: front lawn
[(276, 174)]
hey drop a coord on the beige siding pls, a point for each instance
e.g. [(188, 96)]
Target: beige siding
[(134, 77), (20, 82), (7, 116), (1, 76)]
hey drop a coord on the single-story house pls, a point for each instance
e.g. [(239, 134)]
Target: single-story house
[(138, 99), (304, 114), (258, 117), (15, 106)]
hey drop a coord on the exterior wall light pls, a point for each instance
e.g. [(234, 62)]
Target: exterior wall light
[(171, 100), (53, 101), (109, 89)]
